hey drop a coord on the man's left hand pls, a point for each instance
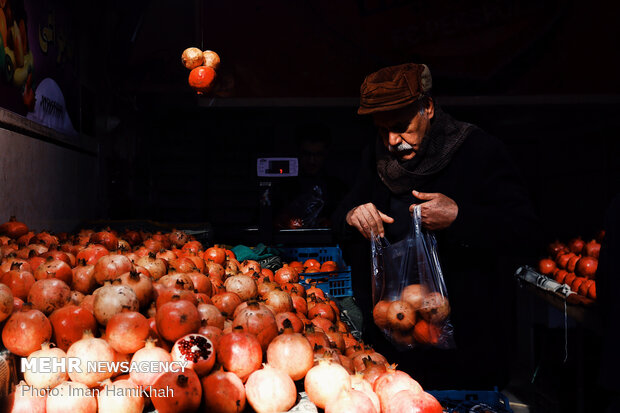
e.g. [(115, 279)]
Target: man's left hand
[(438, 211)]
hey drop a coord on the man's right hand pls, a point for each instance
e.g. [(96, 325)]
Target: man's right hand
[(367, 218)]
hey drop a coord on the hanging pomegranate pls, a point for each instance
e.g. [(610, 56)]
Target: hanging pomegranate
[(201, 79), (211, 59), (192, 57)]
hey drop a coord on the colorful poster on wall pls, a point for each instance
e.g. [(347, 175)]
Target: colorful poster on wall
[(37, 48)]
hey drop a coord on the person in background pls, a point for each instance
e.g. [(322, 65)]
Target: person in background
[(310, 199), (470, 194)]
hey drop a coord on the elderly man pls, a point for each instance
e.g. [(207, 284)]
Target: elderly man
[(470, 193)]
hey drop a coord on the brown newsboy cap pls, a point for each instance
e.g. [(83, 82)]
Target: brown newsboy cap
[(394, 87)]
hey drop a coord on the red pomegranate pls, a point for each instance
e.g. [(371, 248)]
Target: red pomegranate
[(293, 320), (92, 253), (215, 254), (325, 381), (127, 331), (286, 274), (242, 285), (292, 353), (393, 381), (258, 321), (155, 266), (19, 282), (52, 268), (148, 354), (202, 283), (270, 390), (350, 400), (175, 392), (586, 267), (49, 294), (112, 299), (23, 400), (409, 401), (90, 350), (13, 228), (592, 249), (435, 308), (240, 353), (69, 324), (121, 396), (176, 319), (226, 302), (110, 267), (223, 392), (83, 278), (197, 350), (211, 316), (280, 301), (141, 285), (212, 333), (71, 397), (46, 379), (105, 238)]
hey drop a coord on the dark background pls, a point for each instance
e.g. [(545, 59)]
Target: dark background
[(539, 75)]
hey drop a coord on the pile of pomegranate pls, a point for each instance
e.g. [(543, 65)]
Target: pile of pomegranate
[(246, 333), (574, 263), (416, 316)]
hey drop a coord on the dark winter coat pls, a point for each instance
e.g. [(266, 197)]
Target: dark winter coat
[(495, 231)]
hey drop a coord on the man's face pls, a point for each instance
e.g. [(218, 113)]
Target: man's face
[(312, 157), (402, 130)]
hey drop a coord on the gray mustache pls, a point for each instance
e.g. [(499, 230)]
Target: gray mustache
[(401, 147)]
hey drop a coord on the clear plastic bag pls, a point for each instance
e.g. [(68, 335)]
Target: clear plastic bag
[(409, 293)]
